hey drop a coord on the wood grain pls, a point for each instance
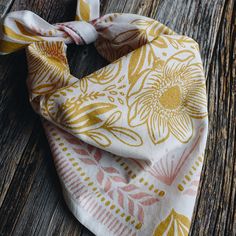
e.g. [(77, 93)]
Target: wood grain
[(5, 6), (30, 196)]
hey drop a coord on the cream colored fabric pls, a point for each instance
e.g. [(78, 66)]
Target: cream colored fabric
[(128, 140)]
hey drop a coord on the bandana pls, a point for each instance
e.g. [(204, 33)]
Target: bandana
[(127, 140)]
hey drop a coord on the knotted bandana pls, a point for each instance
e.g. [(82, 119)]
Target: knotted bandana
[(128, 140)]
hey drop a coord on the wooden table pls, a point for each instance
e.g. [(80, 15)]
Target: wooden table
[(30, 195)]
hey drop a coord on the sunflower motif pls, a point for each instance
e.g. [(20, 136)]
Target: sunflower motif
[(53, 53), (48, 70), (168, 97)]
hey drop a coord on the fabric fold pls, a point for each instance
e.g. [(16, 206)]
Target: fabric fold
[(127, 140)]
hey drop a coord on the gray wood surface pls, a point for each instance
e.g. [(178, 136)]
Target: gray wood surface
[(30, 196), (5, 6)]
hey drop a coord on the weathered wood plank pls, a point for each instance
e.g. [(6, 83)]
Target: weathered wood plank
[(19, 160), (15, 123), (5, 6), (215, 211), (34, 205)]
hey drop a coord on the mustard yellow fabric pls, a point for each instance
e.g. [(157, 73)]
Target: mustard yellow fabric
[(127, 140)]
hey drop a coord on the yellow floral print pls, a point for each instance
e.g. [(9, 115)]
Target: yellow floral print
[(83, 11), (48, 68), (174, 224), (103, 129), (168, 97)]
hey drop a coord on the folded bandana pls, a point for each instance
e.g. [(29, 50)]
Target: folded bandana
[(128, 140)]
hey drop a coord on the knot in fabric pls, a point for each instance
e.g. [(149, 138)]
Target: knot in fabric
[(80, 32)]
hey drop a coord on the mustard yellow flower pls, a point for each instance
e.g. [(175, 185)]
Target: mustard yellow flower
[(167, 98)]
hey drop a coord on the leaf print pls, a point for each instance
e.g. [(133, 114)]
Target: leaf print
[(113, 118), (140, 214), (106, 74), (110, 194), (107, 185), (127, 36), (140, 32), (100, 176), (180, 42), (136, 63), (120, 198), (143, 23), (129, 188), (139, 195), (83, 83), (117, 188), (174, 224), (88, 161), (82, 117), (110, 170), (97, 155), (111, 181), (157, 29), (119, 179), (44, 89), (149, 201), (91, 148), (72, 140), (110, 51), (131, 206), (126, 136), (49, 71), (160, 42), (98, 138), (81, 151)]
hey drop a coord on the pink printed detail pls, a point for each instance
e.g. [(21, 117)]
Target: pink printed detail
[(79, 191), (112, 181), (168, 167), (74, 36)]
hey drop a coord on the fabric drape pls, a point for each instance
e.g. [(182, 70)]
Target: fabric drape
[(128, 140)]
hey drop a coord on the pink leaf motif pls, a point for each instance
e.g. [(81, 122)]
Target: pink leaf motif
[(111, 170), (140, 214), (88, 161), (120, 198), (149, 201), (107, 185), (131, 207), (90, 148), (81, 151), (98, 155), (129, 188), (119, 179), (110, 194), (139, 195), (73, 141), (100, 176)]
